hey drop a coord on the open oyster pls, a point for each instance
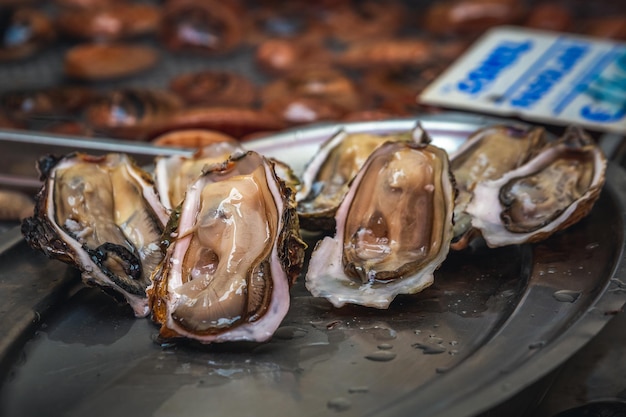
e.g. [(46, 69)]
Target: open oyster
[(102, 215), (326, 177), (393, 228), (550, 192), (488, 154), (174, 173), (236, 250)]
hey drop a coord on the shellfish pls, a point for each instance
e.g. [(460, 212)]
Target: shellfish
[(102, 215), (326, 177), (173, 174), (390, 241), (488, 154), (235, 251), (552, 191)]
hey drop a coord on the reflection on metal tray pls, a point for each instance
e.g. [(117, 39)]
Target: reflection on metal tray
[(495, 321)]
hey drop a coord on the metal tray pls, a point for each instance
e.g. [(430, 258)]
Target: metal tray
[(494, 322)]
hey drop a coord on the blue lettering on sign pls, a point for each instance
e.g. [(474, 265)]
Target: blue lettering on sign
[(602, 113), (553, 72), (503, 56), (609, 94)]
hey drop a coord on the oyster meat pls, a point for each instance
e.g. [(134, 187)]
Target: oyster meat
[(486, 155), (235, 251), (550, 192), (102, 215), (393, 228), (326, 177)]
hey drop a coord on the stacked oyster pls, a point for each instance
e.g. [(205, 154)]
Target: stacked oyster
[(212, 254)]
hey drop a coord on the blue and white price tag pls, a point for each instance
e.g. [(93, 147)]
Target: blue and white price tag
[(537, 75)]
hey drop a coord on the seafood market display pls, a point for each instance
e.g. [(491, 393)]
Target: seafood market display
[(212, 251), (209, 245)]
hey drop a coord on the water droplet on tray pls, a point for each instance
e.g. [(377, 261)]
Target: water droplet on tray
[(507, 293), (429, 349), (566, 296), (359, 390), (289, 332), (381, 356), (383, 333), (331, 325), (537, 345), (339, 404)]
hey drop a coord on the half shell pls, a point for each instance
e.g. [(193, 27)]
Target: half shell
[(393, 228), (488, 154), (549, 193), (235, 251), (102, 215)]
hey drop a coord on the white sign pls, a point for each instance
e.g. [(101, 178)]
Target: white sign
[(538, 75)]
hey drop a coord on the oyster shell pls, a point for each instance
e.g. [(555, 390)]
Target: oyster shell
[(102, 215), (389, 241), (236, 250), (326, 177), (174, 173), (550, 192), (488, 154)]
